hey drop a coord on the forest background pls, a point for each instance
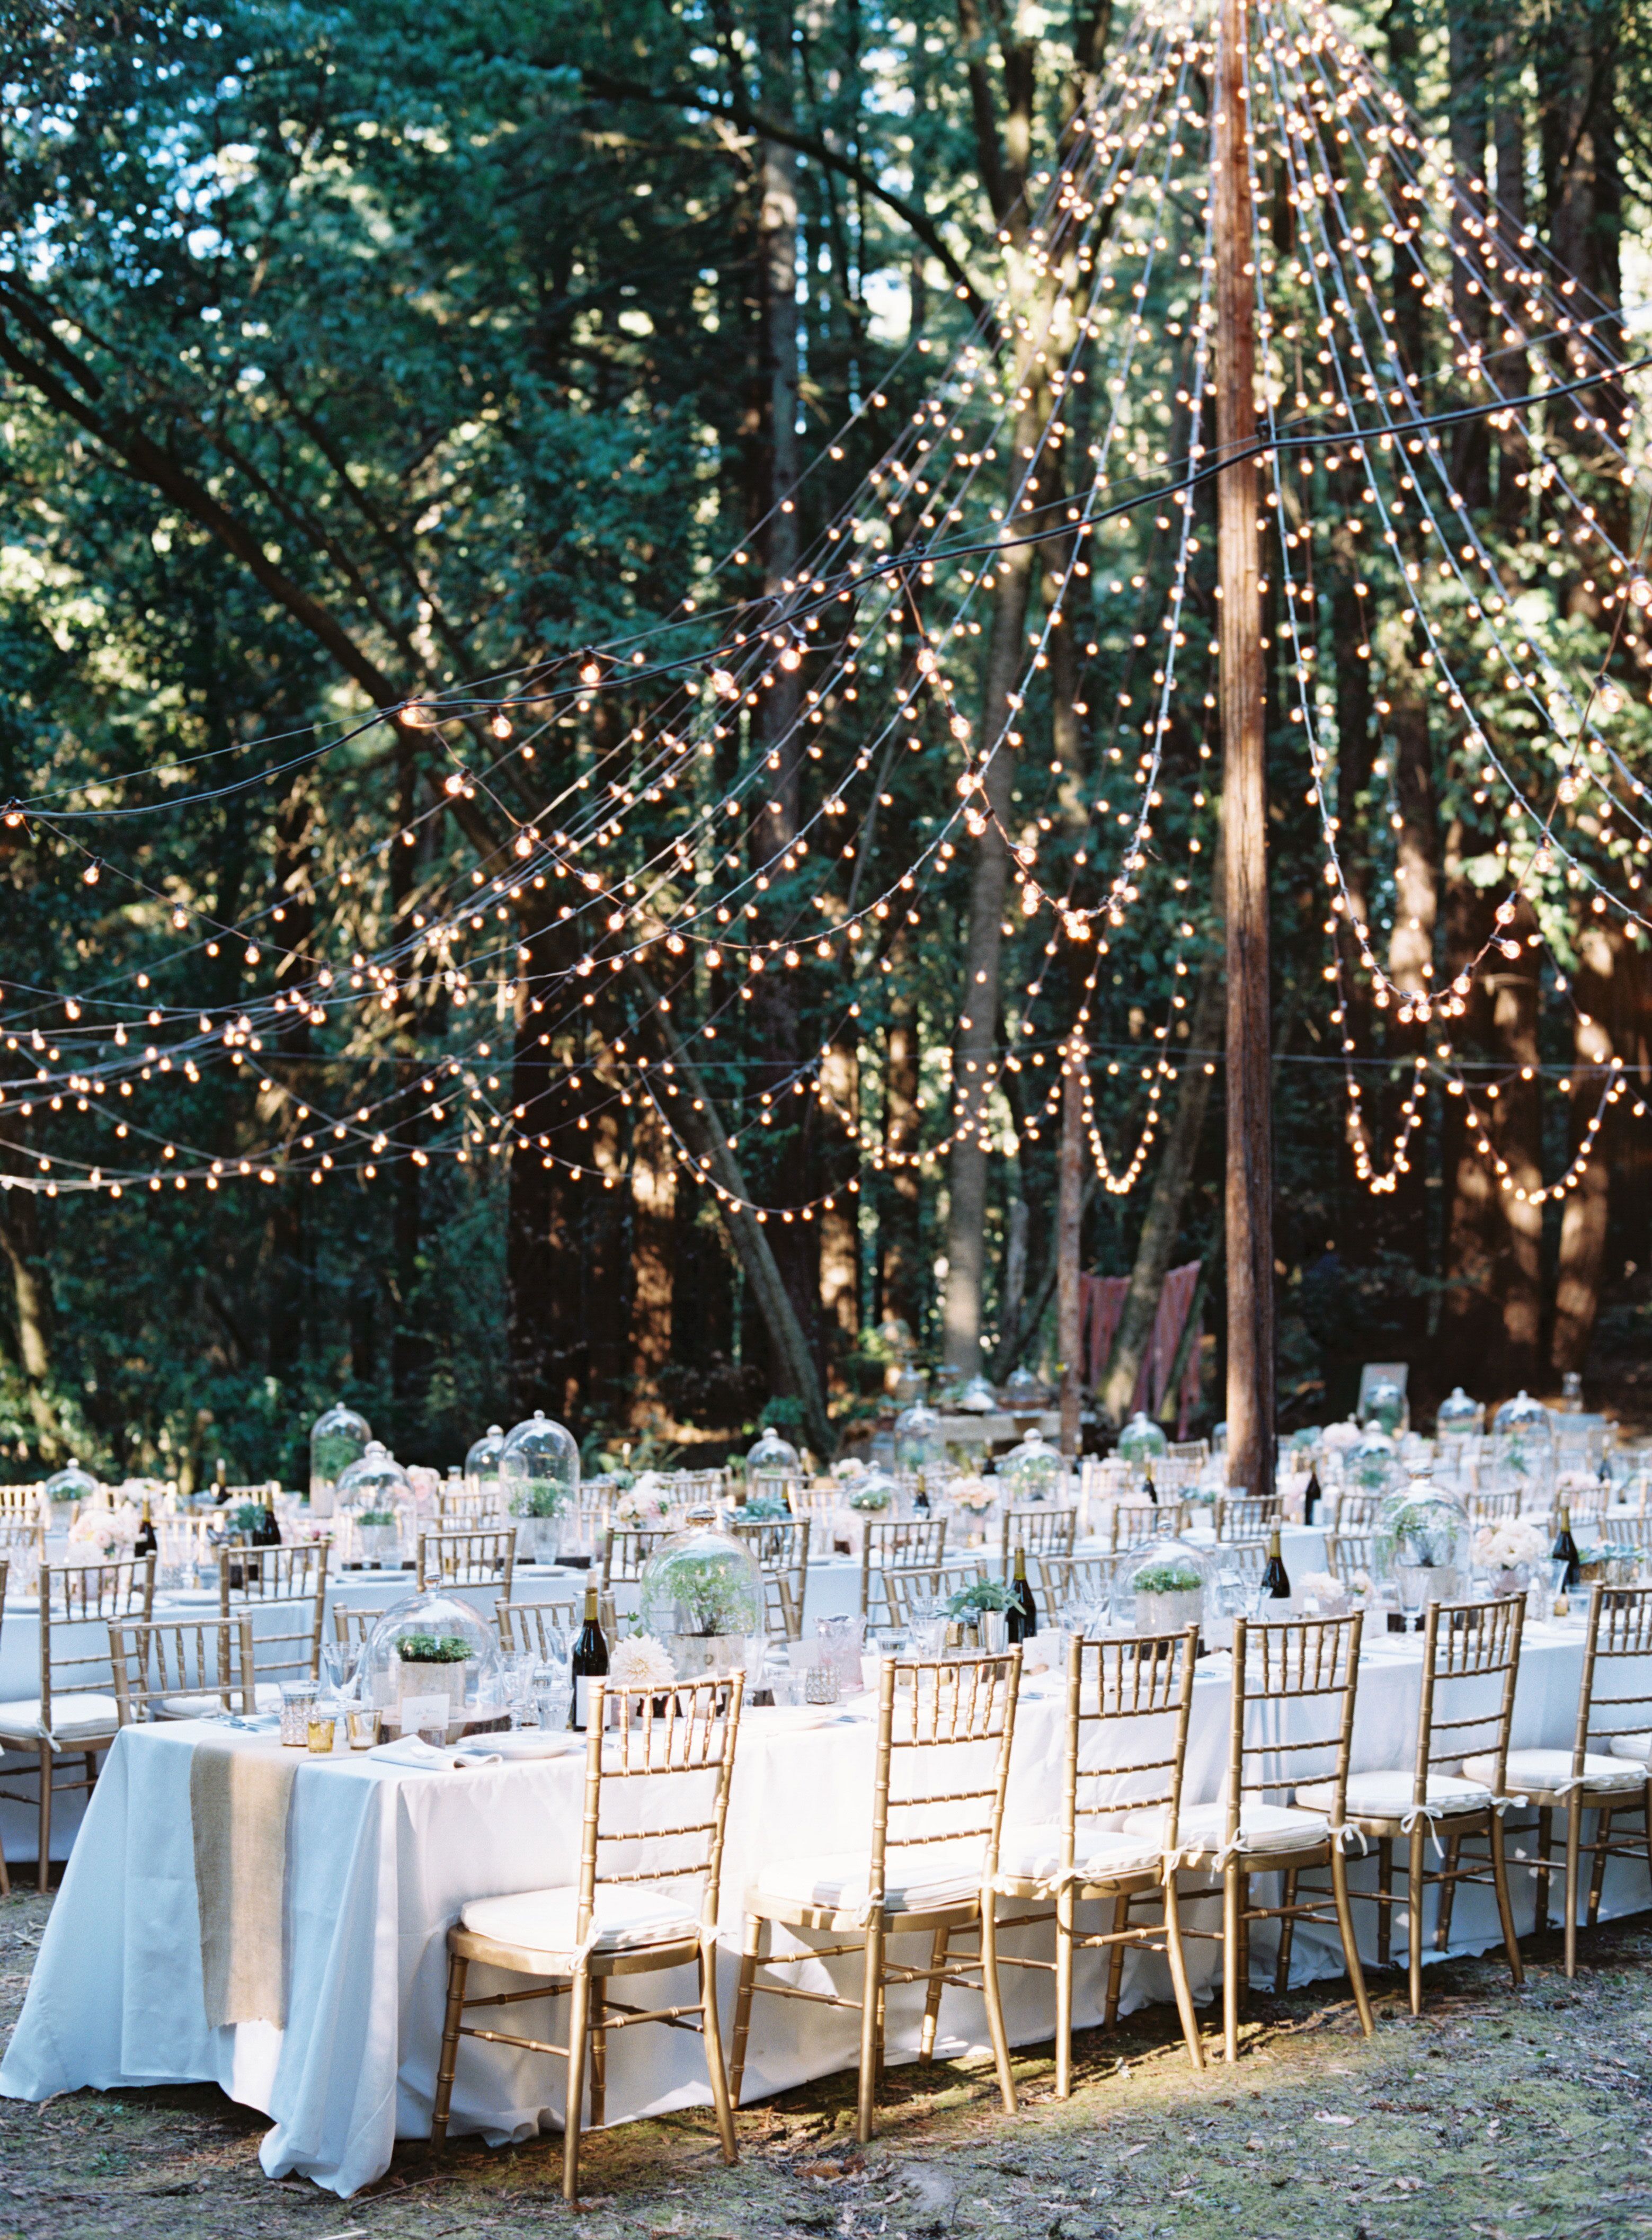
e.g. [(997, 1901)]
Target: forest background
[(348, 353)]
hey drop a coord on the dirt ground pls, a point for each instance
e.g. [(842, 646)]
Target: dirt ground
[(1516, 2115)]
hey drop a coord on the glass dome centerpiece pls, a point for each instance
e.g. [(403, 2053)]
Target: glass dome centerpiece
[(772, 1453), (978, 1398), (337, 1439), (1025, 1394), (71, 1484), (908, 1386), (873, 1492), (1385, 1406), (1164, 1582), (1142, 1442), (1422, 1544), (481, 1466), (538, 1481), (431, 1660), (702, 1595), (918, 1443), (1459, 1417), (1523, 1433), (1369, 1462), (375, 1497), (1031, 1471)]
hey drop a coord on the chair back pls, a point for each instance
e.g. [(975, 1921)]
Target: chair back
[(1247, 1515), (1043, 1531), (1626, 1532), (86, 1595), (1189, 1450), (626, 1548), (21, 1505), (898, 1544), (467, 1559), (459, 1511), (1618, 1655), (783, 1613), (354, 1627), (22, 1547), (1133, 1522), (158, 1662), (1128, 1701), (1347, 1554), (1312, 1665), (909, 1594), (658, 1769), (944, 1732), (1073, 1583), (1469, 1650), (808, 1500), (287, 1587), (1355, 1512), (1494, 1508), (526, 1626), (778, 1544), (1246, 1557), (1175, 1474)]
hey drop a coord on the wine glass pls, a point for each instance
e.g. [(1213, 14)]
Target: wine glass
[(552, 1690)]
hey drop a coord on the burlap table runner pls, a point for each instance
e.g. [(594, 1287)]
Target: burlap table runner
[(239, 1795)]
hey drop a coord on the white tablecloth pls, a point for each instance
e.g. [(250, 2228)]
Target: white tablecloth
[(380, 1862)]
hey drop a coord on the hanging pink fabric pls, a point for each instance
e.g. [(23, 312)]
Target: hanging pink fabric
[(1101, 1304)]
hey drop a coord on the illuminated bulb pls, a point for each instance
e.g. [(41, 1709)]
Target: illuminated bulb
[(453, 782), (500, 727), (524, 845), (1609, 700), (179, 920), (791, 657), (590, 672), (91, 872), (419, 717), (1641, 592), (1570, 786), (723, 685)]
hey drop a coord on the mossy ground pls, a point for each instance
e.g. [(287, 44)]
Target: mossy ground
[(1514, 2116)]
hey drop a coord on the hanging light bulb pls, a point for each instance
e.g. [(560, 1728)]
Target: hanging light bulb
[(1641, 592), (420, 716), (501, 726), (92, 872)]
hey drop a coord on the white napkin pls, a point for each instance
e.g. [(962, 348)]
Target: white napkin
[(425, 1757)]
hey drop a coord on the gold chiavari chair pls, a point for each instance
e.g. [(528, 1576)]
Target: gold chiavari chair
[(1355, 1512), (1294, 1679), (1196, 1451), (1124, 1699), (907, 1592), (353, 1629), (1633, 1532), (1133, 1522), (461, 1512), (1469, 1650), (22, 1549), (1246, 1557), (523, 1625), (1173, 1474), (287, 1587), (782, 1547), (1248, 1516), (656, 1799), (467, 1559), (75, 1710), (1494, 1508), (175, 1667), (1041, 1532), (1075, 1582), (782, 1614), (907, 1543), (1348, 1555), (937, 1819), (626, 1548), (20, 1504), (812, 1500), (1609, 1778)]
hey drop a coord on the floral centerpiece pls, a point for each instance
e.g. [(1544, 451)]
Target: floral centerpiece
[(640, 1660), (104, 1536), (1508, 1550), (974, 1496), (645, 1505), (1324, 1591)]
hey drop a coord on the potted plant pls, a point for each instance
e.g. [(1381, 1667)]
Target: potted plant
[(1170, 1594), (433, 1664), (378, 1536), (982, 1599)]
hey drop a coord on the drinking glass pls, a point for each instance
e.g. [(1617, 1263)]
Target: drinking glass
[(337, 1665), (821, 1684), (553, 1692), (296, 1698), (931, 1635), (320, 1728), (363, 1726), (518, 1668), (1413, 1584)]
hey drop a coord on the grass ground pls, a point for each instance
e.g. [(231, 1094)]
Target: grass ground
[(1515, 2115)]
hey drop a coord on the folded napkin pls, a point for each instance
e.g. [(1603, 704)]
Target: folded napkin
[(239, 1795), (425, 1757)]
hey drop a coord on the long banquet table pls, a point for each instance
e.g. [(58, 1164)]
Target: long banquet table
[(380, 1860)]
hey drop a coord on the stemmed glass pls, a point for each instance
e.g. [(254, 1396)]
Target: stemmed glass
[(519, 1670)]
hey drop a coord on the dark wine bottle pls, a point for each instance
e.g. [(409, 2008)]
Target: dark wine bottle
[(266, 1533), (1565, 1551), (1152, 1490), (1022, 1612), (588, 1662), (921, 1495), (146, 1543), (1276, 1580), (1312, 1498)]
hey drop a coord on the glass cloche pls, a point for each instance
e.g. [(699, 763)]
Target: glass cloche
[(337, 1439), (771, 1452), (481, 1464), (71, 1484), (1031, 1471), (430, 1648), (1525, 1416), (918, 1443), (702, 1595), (538, 1467), (1142, 1442), (873, 1492), (1369, 1465), (1163, 1583), (978, 1398), (375, 1495), (1459, 1417), (908, 1386), (1385, 1406), (1421, 1541), (1024, 1391)]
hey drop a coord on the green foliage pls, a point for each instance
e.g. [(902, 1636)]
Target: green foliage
[(980, 1595), (434, 1648)]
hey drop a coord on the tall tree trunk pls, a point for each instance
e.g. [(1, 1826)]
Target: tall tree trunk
[(1517, 1134), (653, 1261), (1469, 118), (1070, 1220), (839, 1223), (32, 1305), (1470, 1317), (1511, 376), (1598, 992), (903, 1287), (1164, 1221)]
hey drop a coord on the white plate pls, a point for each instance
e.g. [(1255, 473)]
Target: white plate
[(794, 1718), (531, 1741)]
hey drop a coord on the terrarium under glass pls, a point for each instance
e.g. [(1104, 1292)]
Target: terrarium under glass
[(978, 1398), (702, 1595), (481, 1464), (1422, 1544), (1164, 1585), (71, 1484), (770, 1453), (1459, 1417), (538, 1482), (918, 1443), (873, 1492), (1024, 1391), (431, 1660), (1368, 1464), (1142, 1442), (1030, 1472), (375, 1497), (337, 1439)]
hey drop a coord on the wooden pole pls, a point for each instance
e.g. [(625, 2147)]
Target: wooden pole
[(1069, 1221), (1244, 789)]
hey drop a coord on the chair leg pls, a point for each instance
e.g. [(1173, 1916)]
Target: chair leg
[(715, 2071), (1178, 1960), (1385, 1901), (1597, 1871), (579, 2007), (1231, 1961), (1244, 1941), (1505, 1912), (938, 1948), (1415, 1891), (1574, 1836), (458, 1969), (43, 1872), (995, 2004), (871, 1981), (1350, 1942), (1064, 1995), (1282, 1967), (750, 1954), (1447, 1893), (1545, 1840), (1116, 1960)]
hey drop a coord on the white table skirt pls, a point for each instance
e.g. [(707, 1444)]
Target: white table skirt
[(380, 1861)]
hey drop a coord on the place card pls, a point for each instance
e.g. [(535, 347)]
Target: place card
[(425, 1714)]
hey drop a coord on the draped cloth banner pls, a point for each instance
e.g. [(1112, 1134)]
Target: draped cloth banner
[(1101, 1303)]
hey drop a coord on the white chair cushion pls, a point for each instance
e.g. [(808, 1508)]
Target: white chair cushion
[(266, 1698), (1549, 1768), (70, 1714), (929, 1877), (1637, 1745), (543, 1922), (1388, 1796), (1099, 1853), (1262, 1827)]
